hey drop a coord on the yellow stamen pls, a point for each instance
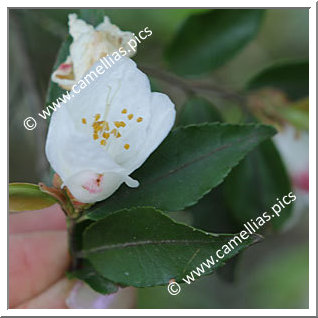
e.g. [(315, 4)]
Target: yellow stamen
[(84, 121), (119, 124), (126, 146), (106, 135), (103, 142), (106, 126), (130, 116), (98, 126), (114, 132), (118, 135), (95, 136), (139, 119), (124, 111), (97, 116)]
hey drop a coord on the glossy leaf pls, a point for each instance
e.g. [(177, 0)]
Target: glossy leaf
[(208, 40), (255, 184), (198, 110), (27, 196), (143, 247), (189, 163), (211, 213), (92, 278), (292, 77)]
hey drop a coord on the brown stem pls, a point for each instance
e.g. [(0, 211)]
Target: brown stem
[(190, 86), (71, 242)]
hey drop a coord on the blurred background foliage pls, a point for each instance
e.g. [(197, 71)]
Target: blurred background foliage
[(216, 65)]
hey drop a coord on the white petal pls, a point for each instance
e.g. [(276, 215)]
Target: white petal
[(116, 36), (63, 75), (137, 122), (162, 119), (132, 183), (78, 27), (126, 88), (89, 186), (89, 45)]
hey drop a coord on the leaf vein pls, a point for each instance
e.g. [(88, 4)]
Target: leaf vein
[(103, 248)]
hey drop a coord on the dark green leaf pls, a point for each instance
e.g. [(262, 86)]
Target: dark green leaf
[(77, 234), (89, 275), (85, 271), (143, 247), (93, 16), (198, 110), (27, 196), (228, 272), (292, 77), (254, 185), (211, 213), (188, 164), (208, 40)]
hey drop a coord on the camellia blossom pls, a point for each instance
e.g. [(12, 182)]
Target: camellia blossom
[(88, 46), (293, 146), (100, 136)]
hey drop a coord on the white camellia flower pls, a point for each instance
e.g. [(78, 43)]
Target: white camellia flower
[(100, 136), (88, 46)]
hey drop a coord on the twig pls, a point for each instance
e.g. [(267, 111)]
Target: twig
[(190, 86), (71, 242)]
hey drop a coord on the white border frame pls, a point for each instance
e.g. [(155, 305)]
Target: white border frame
[(312, 163)]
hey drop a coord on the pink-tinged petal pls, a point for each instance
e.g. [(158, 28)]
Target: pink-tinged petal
[(65, 67), (109, 129), (301, 180), (88, 46), (93, 185), (64, 74), (89, 186)]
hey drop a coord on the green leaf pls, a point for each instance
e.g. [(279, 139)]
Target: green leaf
[(208, 40), (255, 184), (198, 110), (228, 272), (188, 164), (93, 16), (292, 77), (85, 271), (143, 247), (211, 212), (77, 234), (89, 275), (27, 197)]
